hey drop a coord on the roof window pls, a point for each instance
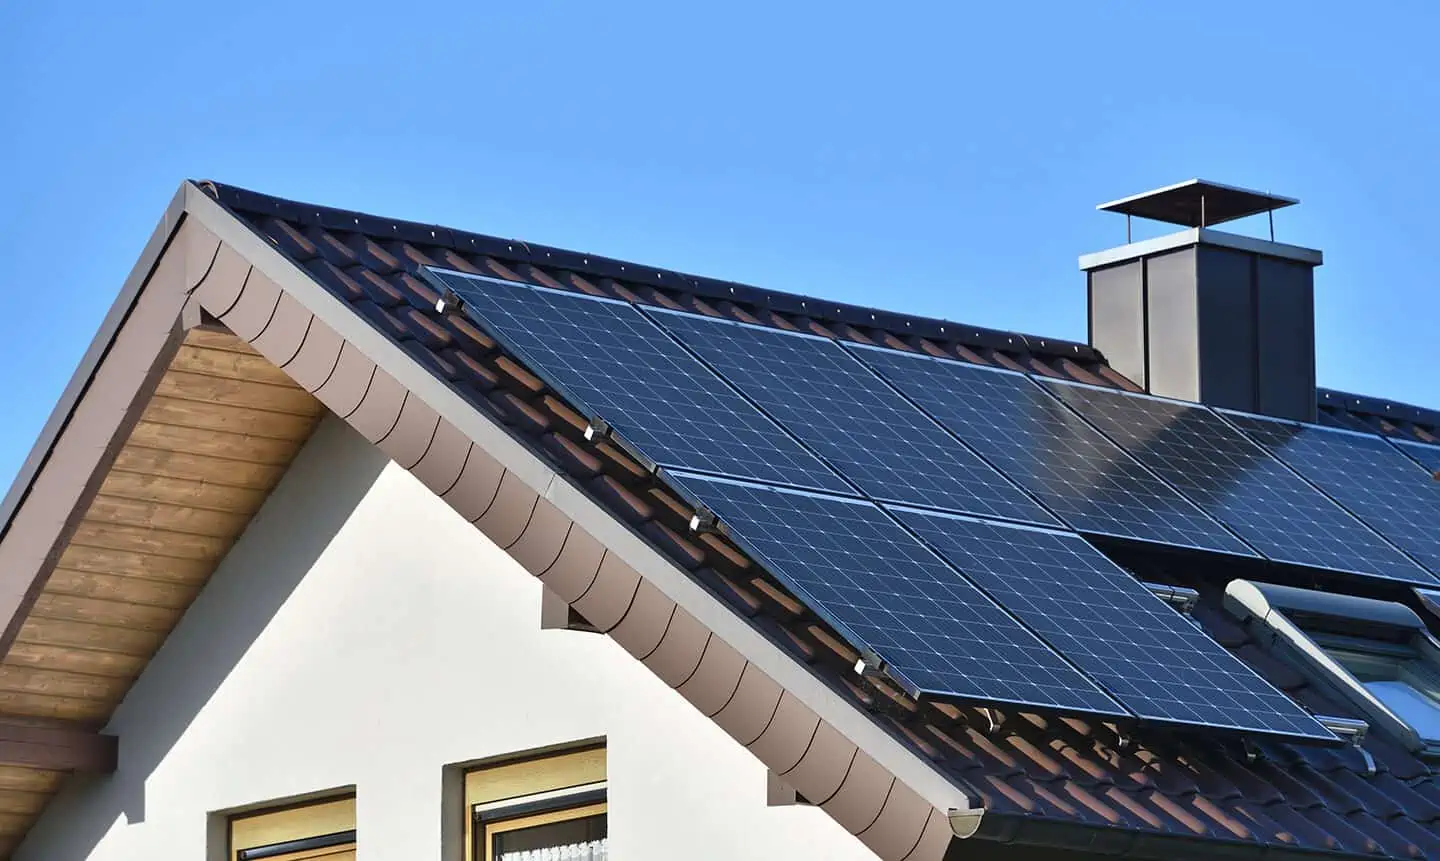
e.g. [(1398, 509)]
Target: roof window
[(1377, 656)]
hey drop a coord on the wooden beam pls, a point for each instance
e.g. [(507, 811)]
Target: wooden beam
[(56, 746)]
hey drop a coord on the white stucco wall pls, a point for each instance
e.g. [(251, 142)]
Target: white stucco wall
[(360, 633)]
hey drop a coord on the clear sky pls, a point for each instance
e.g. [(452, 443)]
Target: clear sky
[(941, 159)]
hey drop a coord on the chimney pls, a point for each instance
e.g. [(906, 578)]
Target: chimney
[(1207, 316)]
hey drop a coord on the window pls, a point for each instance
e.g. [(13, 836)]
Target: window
[(314, 831), (1396, 676), (544, 808), (1379, 657)]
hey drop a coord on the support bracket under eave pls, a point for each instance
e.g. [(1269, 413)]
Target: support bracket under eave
[(56, 746)]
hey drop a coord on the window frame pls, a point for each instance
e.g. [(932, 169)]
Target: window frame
[(285, 831), (1304, 627), (557, 784)]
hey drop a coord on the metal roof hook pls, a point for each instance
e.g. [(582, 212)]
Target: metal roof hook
[(1253, 753)]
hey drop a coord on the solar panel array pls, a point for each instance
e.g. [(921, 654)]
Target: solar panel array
[(1365, 474), (1157, 664), (1044, 446), (611, 361), (979, 610), (882, 588), (1238, 483), (852, 419)]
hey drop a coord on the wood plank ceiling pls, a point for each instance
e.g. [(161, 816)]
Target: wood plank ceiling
[(219, 432)]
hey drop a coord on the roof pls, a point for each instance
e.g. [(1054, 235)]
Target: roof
[(1197, 203), (333, 298)]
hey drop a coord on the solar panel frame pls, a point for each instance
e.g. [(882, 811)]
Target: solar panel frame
[(607, 360), (862, 573), (1425, 454), (1395, 498), (852, 418), (1091, 483), (1155, 662), (1270, 506)]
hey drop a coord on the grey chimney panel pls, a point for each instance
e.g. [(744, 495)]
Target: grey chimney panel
[(1285, 312), (1172, 321), (1117, 317), (1223, 319), (1226, 295)]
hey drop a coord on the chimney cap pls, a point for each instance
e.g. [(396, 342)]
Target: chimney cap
[(1197, 203)]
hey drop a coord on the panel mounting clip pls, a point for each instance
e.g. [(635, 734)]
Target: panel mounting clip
[(597, 431), (449, 302), (869, 664), (704, 520)]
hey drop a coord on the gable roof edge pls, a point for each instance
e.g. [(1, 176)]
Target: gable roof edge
[(935, 788)]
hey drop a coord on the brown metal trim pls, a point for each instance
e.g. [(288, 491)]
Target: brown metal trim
[(576, 567), (715, 679), (751, 709), (788, 735), (901, 824), (645, 620), (608, 599), (114, 393), (862, 796), (822, 769), (543, 538), (56, 746)]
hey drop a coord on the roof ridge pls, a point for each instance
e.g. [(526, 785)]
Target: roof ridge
[(860, 316), (1386, 408)]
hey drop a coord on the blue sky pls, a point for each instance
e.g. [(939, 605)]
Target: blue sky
[(944, 160)]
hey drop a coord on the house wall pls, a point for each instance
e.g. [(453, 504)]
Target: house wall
[(362, 634)]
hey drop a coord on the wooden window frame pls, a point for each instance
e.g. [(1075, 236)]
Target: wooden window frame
[(292, 832), (545, 787)]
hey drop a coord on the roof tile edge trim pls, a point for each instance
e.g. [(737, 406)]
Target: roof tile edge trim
[(517, 500)]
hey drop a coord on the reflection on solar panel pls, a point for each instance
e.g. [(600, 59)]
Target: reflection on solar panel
[(1238, 483), (885, 591), (607, 358), (1035, 440), (1363, 473), (1427, 456), (848, 416), (1157, 664)]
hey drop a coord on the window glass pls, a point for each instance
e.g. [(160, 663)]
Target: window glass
[(1403, 682), (548, 807)]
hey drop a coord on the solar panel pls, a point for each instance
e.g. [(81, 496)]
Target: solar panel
[(609, 360), (1363, 473), (1427, 456), (1039, 443), (852, 419), (1146, 655), (883, 590), (1238, 483)]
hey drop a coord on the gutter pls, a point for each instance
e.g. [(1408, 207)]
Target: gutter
[(1109, 841)]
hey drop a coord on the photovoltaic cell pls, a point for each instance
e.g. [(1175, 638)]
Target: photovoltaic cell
[(1427, 456), (852, 419), (1146, 655), (885, 591), (611, 361), (1238, 483), (1365, 474), (1042, 445)]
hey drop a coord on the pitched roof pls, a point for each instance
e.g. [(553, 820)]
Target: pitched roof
[(1041, 781), (1042, 771)]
